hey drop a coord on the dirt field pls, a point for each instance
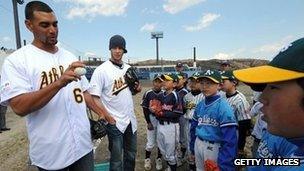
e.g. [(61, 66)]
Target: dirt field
[(14, 143)]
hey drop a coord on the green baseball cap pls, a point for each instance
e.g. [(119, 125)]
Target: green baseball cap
[(170, 77), (213, 75), (157, 76), (228, 75), (196, 75), (287, 65)]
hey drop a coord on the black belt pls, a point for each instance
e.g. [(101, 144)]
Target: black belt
[(162, 122)]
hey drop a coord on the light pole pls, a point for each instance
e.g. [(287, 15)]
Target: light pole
[(16, 20), (157, 35)]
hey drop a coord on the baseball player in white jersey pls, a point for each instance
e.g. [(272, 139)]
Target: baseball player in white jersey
[(259, 125), (109, 87), (190, 101), (240, 106), (38, 81)]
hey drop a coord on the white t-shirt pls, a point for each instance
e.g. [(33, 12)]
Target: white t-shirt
[(59, 132), (108, 80)]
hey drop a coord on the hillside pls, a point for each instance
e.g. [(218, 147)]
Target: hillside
[(210, 64)]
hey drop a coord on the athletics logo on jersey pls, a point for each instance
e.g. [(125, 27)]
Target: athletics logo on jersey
[(50, 76), (118, 86)]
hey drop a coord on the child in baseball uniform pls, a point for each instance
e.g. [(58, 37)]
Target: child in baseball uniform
[(259, 125), (282, 83), (190, 102), (240, 106), (168, 121), (182, 91), (214, 126), (150, 95)]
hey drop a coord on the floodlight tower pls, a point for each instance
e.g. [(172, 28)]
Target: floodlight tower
[(157, 35), (16, 19)]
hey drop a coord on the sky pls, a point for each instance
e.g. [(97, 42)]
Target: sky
[(219, 29)]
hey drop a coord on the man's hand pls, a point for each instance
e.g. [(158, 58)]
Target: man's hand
[(69, 75), (110, 119), (150, 126)]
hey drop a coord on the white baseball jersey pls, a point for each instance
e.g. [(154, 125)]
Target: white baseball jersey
[(259, 125), (59, 132), (190, 102), (240, 106), (108, 83)]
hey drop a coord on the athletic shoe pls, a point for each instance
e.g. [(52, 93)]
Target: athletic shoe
[(159, 164), (148, 164)]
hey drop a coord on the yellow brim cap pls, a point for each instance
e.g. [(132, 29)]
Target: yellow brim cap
[(167, 77), (266, 74)]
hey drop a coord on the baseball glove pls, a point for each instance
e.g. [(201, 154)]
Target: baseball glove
[(132, 81), (98, 128), (211, 165), (155, 107)]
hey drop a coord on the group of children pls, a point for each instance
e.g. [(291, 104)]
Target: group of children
[(203, 120)]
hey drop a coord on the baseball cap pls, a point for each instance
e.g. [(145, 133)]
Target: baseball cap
[(287, 65), (225, 62), (157, 76), (195, 75), (213, 75), (179, 64), (170, 77), (228, 75), (180, 76), (118, 41)]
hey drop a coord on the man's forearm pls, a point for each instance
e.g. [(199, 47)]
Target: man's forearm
[(93, 105), (27, 103)]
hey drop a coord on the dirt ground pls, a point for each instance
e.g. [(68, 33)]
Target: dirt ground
[(14, 143)]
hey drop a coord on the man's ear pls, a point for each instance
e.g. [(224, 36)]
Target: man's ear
[(29, 25)]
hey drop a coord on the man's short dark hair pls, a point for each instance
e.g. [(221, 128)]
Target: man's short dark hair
[(35, 6)]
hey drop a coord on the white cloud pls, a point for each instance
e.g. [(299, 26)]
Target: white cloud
[(92, 8), (175, 6), (148, 27), (223, 56), (274, 46), (204, 22)]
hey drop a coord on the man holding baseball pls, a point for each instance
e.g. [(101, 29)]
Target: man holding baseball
[(38, 81)]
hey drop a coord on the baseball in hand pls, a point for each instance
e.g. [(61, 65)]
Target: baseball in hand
[(80, 71)]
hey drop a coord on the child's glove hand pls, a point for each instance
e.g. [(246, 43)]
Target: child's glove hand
[(211, 165)]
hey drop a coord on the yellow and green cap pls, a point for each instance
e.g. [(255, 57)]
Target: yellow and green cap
[(157, 76), (213, 75), (228, 75), (170, 77), (287, 65)]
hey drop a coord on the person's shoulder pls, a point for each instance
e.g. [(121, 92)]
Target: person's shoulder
[(223, 104), (18, 54), (148, 92), (104, 66)]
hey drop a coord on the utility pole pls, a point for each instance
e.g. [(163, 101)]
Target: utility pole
[(16, 20)]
